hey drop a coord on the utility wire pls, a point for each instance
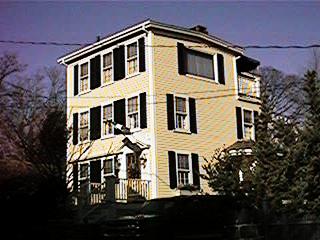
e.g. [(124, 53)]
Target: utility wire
[(169, 46)]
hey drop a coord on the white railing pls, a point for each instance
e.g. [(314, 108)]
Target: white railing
[(97, 193), (248, 87)]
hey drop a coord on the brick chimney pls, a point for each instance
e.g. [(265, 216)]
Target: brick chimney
[(200, 28)]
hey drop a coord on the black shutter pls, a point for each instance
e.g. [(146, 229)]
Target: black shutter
[(75, 129), (143, 110), (119, 63), (193, 115), (95, 171), (95, 72), (181, 59), (195, 169), (119, 113), (95, 123), (256, 119), (142, 57), (75, 80), (221, 77), (172, 169), (239, 123), (170, 111), (75, 176)]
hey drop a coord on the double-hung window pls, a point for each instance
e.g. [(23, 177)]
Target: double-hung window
[(107, 68), (132, 58), (133, 112), (183, 169), (84, 77), (199, 64), (181, 113), (108, 167), (248, 124), (107, 127), (84, 126)]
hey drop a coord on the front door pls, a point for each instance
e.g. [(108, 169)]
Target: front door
[(133, 166)]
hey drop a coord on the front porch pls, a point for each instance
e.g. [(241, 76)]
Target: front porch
[(114, 190)]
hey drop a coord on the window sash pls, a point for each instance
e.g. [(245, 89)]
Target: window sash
[(84, 171), (107, 118), (107, 60), (84, 84), (133, 105), (199, 64), (84, 70), (84, 126), (181, 112), (247, 117), (108, 166), (132, 50), (183, 162)]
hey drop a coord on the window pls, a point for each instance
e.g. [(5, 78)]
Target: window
[(133, 113), (108, 167), (107, 127), (181, 113), (84, 171), (183, 169), (84, 76), (248, 124), (107, 68), (132, 58), (84, 126), (199, 64)]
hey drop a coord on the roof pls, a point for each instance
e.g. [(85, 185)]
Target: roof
[(143, 26), (241, 145)]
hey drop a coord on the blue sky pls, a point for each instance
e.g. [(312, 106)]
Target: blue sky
[(242, 23)]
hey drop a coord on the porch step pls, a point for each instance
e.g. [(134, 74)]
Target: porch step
[(109, 211)]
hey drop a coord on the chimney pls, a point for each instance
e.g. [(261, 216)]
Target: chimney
[(200, 28), (98, 38)]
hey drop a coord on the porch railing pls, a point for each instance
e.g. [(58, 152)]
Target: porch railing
[(132, 186), (248, 87), (97, 193)]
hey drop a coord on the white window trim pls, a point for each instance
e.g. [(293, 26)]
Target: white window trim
[(79, 76), (215, 67), (135, 40), (253, 123), (190, 175), (187, 129), (79, 120), (101, 118), (113, 167), (136, 94), (110, 50)]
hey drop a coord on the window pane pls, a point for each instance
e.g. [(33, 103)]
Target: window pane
[(84, 170), (200, 64), (247, 116), (83, 119), (107, 166), (133, 104), (107, 60), (248, 132), (84, 69), (132, 50), (107, 112), (181, 104), (183, 161)]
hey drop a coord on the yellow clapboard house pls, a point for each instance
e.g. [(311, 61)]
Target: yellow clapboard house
[(147, 103)]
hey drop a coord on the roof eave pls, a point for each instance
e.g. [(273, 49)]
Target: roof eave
[(144, 26)]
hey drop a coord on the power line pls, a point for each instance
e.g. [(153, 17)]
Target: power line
[(41, 43), (169, 46)]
